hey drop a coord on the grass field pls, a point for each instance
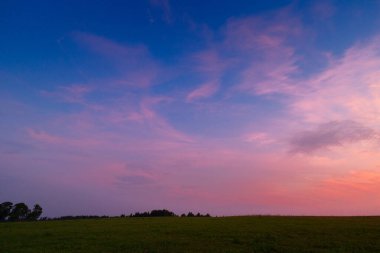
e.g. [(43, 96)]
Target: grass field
[(172, 234)]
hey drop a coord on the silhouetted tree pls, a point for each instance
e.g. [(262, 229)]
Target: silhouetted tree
[(5, 210), (190, 214), (164, 212), (20, 211), (183, 215), (153, 213), (35, 213)]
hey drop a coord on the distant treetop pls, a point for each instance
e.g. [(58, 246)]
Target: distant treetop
[(19, 212)]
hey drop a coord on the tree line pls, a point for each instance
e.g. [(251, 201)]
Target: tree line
[(153, 213), (190, 214), (164, 213), (19, 212)]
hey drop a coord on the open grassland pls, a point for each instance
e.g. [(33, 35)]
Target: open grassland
[(174, 234)]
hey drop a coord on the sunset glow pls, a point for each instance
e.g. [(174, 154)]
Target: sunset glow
[(250, 107)]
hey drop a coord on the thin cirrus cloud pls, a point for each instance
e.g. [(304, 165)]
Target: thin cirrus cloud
[(341, 102), (204, 91), (158, 123), (347, 89), (266, 47), (257, 53)]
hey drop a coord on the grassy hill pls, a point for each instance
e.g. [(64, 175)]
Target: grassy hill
[(174, 234)]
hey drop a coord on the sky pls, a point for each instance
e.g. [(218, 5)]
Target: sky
[(222, 107)]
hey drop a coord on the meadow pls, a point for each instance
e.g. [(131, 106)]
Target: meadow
[(176, 234)]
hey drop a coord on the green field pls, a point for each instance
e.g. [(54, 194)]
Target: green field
[(174, 234)]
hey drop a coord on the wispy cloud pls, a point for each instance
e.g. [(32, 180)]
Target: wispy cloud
[(157, 123), (257, 53), (204, 91), (347, 89)]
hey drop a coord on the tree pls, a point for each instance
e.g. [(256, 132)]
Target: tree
[(20, 211), (36, 213), (190, 214), (5, 210), (163, 212)]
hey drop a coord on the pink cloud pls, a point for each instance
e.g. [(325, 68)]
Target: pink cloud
[(210, 66), (265, 44), (260, 51), (347, 89), (268, 78), (204, 91), (159, 124)]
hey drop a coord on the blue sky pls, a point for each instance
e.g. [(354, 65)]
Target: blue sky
[(227, 107)]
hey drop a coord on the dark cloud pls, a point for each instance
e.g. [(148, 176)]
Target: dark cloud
[(333, 133)]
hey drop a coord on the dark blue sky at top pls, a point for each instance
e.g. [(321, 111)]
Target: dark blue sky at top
[(39, 52), (38, 25), (38, 49), (36, 36), (31, 30)]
